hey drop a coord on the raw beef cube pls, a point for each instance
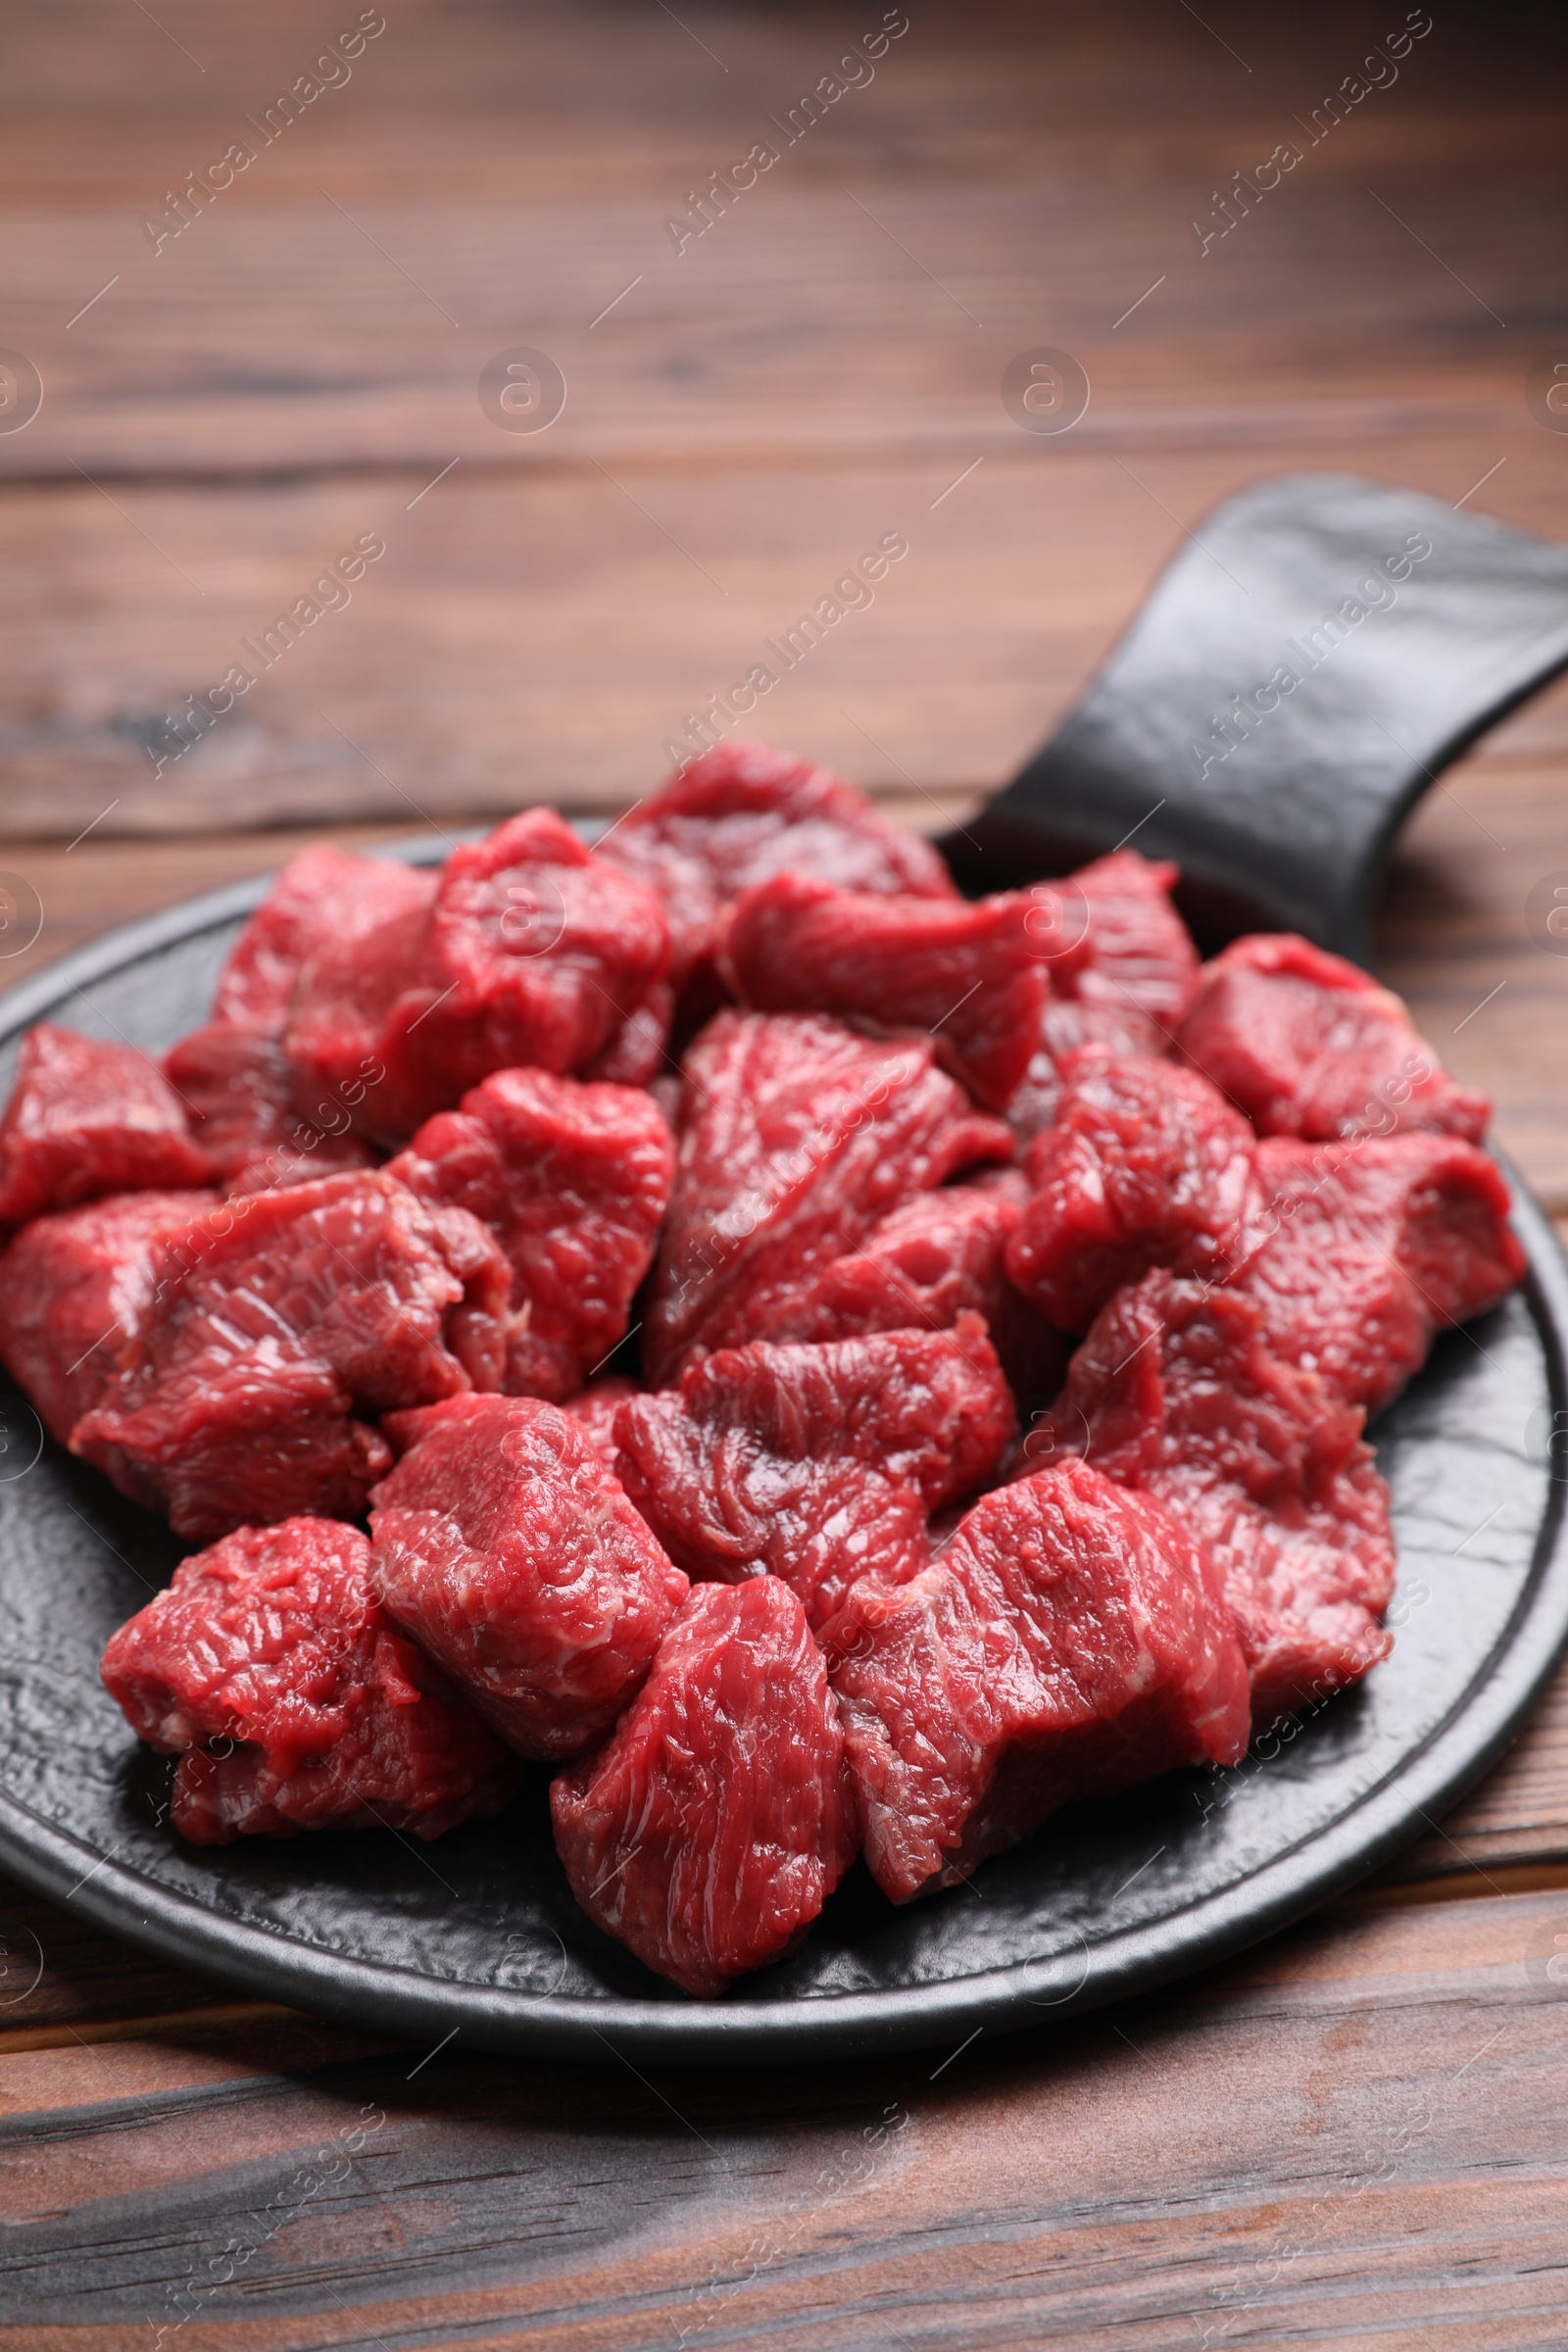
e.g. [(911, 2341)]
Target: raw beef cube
[(74, 1288), (1066, 1024), (322, 893), (505, 1547), (280, 1321), (1362, 1251), (710, 1831), (742, 814), (534, 952), (1146, 1164), (1122, 942), (798, 1138), (817, 1464), (237, 1085), (935, 1258), (86, 1118), (233, 1074), (573, 1180), (1070, 1643), (1175, 1392), (595, 1409), (968, 973), (273, 1672), (1306, 1044)]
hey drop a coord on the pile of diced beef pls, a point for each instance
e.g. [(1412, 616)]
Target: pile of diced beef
[(831, 1368)]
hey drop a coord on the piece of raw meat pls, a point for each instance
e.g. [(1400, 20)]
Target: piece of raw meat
[(1146, 1164), (573, 1180), (742, 814), (238, 1086), (798, 1137), (1110, 936), (280, 1322), (74, 1288), (965, 971), (710, 1831), (1175, 1392), (322, 893), (87, 1117), (596, 1408), (817, 1464), (232, 1072), (1357, 1252), (1306, 1043), (1070, 1643), (505, 1547), (935, 1258), (533, 954), (1065, 1025), (271, 1669)]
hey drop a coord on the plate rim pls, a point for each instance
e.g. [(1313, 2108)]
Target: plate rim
[(189, 1934)]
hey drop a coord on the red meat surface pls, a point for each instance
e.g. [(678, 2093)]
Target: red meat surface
[(1306, 1044), (574, 1181), (1065, 1025), (595, 1409), (280, 1322), (742, 814), (1110, 936), (74, 1288), (271, 1669), (87, 1117), (505, 1547), (937, 1258), (817, 1464), (1146, 1164), (533, 954), (1359, 1251), (1071, 1641), (320, 895), (966, 972), (239, 1088), (798, 1137), (1176, 1392), (232, 1072), (710, 1831)]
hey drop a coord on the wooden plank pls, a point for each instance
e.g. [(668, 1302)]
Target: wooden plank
[(1402, 2074), (504, 189), (546, 637)]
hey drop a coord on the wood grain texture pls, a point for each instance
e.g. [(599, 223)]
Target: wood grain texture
[(824, 361), (1352, 2132)]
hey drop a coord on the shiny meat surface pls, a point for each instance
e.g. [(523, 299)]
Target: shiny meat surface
[(1070, 1641), (574, 1181), (271, 1669), (818, 1464), (710, 1830), (505, 1546), (798, 1137), (281, 1323)]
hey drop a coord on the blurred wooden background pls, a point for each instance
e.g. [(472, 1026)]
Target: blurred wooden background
[(1356, 2132)]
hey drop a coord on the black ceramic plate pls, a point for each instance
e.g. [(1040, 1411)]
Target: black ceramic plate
[(479, 1935)]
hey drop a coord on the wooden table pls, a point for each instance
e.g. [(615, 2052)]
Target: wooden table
[(1351, 2133)]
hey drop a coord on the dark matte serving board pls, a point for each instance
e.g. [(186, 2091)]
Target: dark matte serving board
[(479, 1933)]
